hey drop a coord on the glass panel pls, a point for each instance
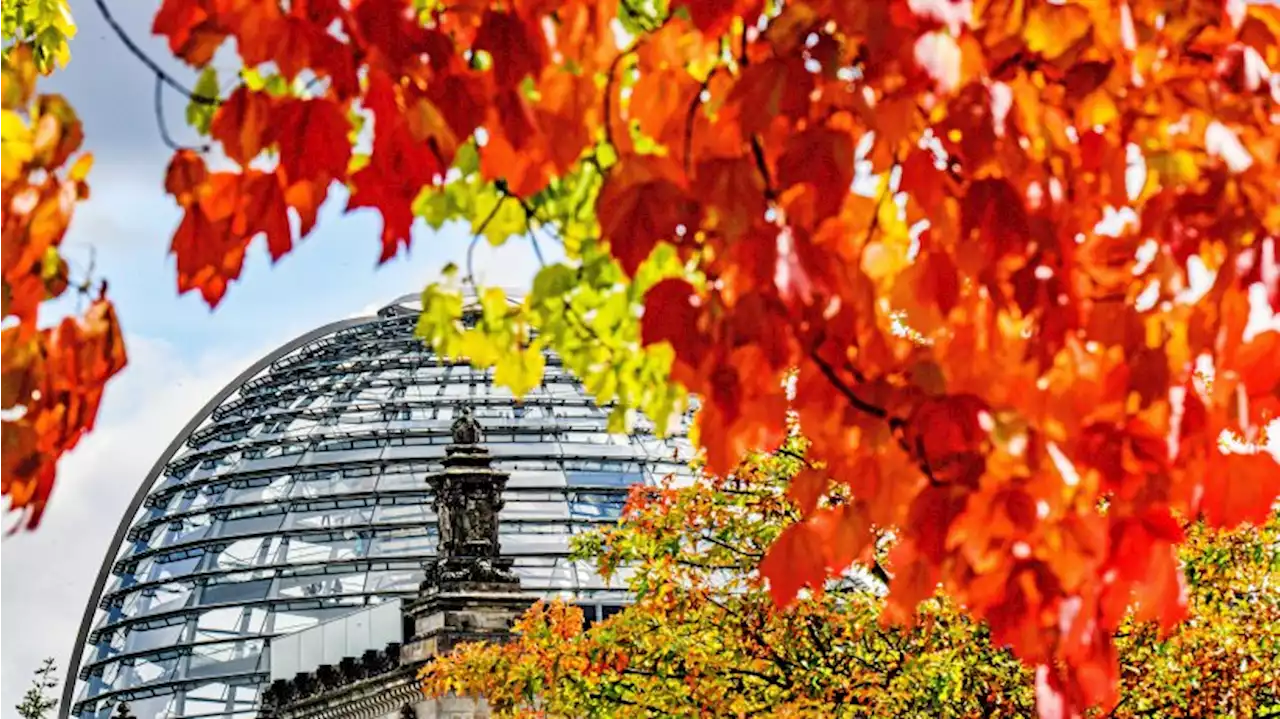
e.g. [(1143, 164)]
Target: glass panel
[(236, 592), (580, 478), (596, 505)]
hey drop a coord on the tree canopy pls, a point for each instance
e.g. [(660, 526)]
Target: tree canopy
[(999, 257), (53, 376), (702, 638)]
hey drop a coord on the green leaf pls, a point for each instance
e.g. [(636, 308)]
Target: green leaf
[(498, 218), (553, 281), (468, 159), (200, 114), (432, 205)]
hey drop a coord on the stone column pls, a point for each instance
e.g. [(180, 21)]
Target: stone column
[(470, 592)]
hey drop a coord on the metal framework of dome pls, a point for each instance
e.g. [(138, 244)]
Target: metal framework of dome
[(298, 494)]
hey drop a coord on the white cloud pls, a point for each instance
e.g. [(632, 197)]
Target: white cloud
[(48, 574), (511, 266)]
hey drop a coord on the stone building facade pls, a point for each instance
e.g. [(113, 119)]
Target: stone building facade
[(469, 594)]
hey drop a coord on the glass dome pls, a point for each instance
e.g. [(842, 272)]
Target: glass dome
[(298, 495)]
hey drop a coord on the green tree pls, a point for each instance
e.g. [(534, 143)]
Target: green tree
[(40, 698), (703, 637)]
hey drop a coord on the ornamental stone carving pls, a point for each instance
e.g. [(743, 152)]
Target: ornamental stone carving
[(468, 497), (466, 430)]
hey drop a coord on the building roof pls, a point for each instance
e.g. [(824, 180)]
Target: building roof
[(298, 494)]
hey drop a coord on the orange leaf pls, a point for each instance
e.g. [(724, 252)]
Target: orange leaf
[(185, 177), (243, 124), (806, 488), (1243, 488), (795, 559)]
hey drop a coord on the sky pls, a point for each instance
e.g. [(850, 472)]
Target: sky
[(180, 353)]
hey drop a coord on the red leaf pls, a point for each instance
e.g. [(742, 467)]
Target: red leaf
[(399, 167), (950, 435), (642, 202), (732, 192), (929, 522), (517, 47), (810, 551), (193, 34), (846, 533), (209, 251), (993, 211), (714, 17), (313, 140), (822, 158), (777, 87), (671, 315), (265, 211)]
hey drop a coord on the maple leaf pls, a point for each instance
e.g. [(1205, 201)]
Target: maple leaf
[(642, 202), (777, 87), (1244, 488), (313, 140), (518, 47), (266, 211), (192, 28), (244, 124), (821, 158), (714, 17), (185, 177)]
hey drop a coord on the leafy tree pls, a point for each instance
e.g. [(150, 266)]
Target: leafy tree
[(702, 639), (40, 698), (53, 376)]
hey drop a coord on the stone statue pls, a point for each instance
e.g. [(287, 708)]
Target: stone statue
[(466, 430)]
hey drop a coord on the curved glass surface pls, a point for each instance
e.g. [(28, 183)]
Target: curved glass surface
[(302, 496)]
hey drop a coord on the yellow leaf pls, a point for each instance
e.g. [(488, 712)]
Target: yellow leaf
[(520, 371), (478, 349), (1174, 167), (1052, 29), (16, 149), (80, 169)]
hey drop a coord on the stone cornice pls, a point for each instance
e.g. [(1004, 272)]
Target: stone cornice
[(372, 686)]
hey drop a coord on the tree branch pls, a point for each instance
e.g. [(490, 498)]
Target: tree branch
[(137, 52), (165, 137)]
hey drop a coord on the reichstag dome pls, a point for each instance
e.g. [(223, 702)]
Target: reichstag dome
[(297, 495)]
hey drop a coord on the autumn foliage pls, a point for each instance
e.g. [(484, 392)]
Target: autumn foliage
[(53, 376), (1000, 258), (703, 639)]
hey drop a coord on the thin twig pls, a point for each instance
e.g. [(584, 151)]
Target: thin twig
[(475, 238), (164, 125), (690, 116), (163, 76), (608, 95)]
